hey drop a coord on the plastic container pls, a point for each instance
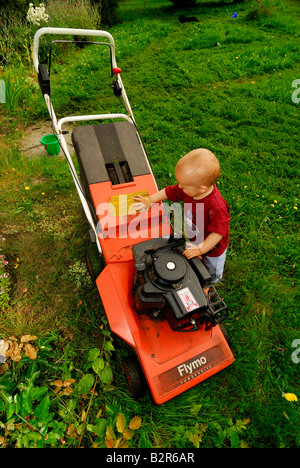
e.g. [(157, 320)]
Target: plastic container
[(51, 144)]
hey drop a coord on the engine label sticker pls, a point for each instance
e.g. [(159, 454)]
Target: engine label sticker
[(187, 299)]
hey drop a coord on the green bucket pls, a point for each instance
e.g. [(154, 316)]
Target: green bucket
[(51, 144)]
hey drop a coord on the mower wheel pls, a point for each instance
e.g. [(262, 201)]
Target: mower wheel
[(134, 377), (225, 333), (94, 261)]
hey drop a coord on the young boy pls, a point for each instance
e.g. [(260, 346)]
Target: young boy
[(196, 174)]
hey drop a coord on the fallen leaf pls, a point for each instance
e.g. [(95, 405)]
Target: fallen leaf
[(28, 338), (30, 351), (57, 383), (118, 442), (71, 431), (123, 444), (121, 423), (246, 421), (3, 368), (244, 444), (110, 434), (108, 443), (68, 382), (16, 352), (135, 423), (128, 434)]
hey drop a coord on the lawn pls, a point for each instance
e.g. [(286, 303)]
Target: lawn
[(223, 83)]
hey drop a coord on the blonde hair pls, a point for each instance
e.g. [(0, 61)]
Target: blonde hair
[(202, 165)]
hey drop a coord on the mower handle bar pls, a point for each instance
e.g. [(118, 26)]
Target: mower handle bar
[(70, 32), (57, 125)]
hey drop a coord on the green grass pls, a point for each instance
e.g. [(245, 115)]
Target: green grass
[(224, 84)]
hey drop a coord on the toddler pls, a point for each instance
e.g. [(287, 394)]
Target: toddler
[(196, 174)]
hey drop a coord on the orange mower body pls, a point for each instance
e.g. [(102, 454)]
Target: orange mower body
[(159, 303), (171, 362)]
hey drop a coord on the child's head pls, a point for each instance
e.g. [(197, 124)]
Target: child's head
[(197, 172)]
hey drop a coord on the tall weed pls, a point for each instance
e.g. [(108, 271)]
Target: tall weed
[(18, 89), (4, 279), (80, 14), (15, 38)]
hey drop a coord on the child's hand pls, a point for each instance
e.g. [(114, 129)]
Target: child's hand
[(144, 203), (192, 251)]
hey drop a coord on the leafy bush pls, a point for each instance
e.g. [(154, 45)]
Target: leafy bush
[(80, 14), (16, 5), (45, 402), (109, 12)]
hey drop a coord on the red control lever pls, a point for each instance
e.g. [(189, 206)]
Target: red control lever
[(116, 71)]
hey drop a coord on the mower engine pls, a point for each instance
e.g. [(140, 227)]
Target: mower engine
[(168, 286)]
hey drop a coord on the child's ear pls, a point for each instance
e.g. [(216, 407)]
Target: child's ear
[(203, 188)]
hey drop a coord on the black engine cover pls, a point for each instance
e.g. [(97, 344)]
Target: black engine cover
[(169, 284)]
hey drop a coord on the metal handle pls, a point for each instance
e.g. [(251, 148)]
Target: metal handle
[(70, 32)]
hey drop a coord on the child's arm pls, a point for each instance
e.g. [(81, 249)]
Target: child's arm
[(205, 246), (147, 201)]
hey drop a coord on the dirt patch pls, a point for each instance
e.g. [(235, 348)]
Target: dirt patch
[(30, 142)]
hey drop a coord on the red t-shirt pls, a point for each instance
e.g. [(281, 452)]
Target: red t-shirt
[(204, 216)]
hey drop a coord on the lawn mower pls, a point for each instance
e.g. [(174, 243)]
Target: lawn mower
[(156, 301)]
